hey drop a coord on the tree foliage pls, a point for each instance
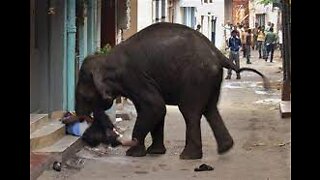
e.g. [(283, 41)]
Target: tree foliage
[(266, 2)]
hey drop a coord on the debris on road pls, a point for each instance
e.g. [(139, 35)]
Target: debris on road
[(268, 101), (283, 144), (56, 166), (99, 150), (204, 167), (259, 144), (75, 163)]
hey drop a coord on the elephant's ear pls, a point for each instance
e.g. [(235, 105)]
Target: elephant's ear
[(101, 86)]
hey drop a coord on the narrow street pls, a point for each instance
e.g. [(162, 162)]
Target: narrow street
[(262, 139)]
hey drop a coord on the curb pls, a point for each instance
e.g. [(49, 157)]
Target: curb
[(39, 162)]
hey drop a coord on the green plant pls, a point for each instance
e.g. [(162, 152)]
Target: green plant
[(105, 50), (266, 2)]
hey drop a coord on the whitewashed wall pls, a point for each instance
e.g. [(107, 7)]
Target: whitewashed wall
[(217, 9), (271, 14), (144, 14)]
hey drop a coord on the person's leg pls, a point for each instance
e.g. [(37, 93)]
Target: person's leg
[(271, 50), (237, 61), (244, 50), (264, 50), (259, 46), (267, 47), (254, 43), (229, 70), (248, 53)]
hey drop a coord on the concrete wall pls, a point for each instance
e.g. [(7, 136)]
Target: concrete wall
[(56, 52), (133, 20), (178, 13), (144, 14), (272, 14), (97, 19), (216, 9), (228, 11), (39, 60)]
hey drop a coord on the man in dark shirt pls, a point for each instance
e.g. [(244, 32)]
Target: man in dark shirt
[(248, 44), (270, 41), (234, 44)]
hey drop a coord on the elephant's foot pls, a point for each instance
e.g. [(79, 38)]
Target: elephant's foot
[(191, 154), (225, 146), (137, 151), (156, 149)]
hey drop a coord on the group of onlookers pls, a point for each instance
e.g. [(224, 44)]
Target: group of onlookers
[(260, 38)]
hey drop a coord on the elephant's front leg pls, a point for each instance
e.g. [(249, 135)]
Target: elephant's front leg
[(157, 146), (151, 112)]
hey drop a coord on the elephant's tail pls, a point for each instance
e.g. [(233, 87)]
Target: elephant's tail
[(266, 83), (226, 63)]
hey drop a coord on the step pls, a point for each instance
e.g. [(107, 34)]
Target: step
[(39, 162), (57, 114), (37, 120), (63, 147), (47, 135), (42, 159), (285, 109)]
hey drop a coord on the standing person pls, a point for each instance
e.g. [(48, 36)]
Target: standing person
[(242, 38), (248, 44), (272, 26), (267, 29), (234, 43), (198, 27), (270, 41), (236, 28), (264, 47), (280, 40), (260, 41), (255, 35)]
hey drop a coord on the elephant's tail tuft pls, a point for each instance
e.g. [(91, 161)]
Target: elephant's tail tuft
[(226, 63), (266, 83)]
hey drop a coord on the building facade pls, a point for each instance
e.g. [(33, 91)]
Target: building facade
[(62, 34), (262, 14)]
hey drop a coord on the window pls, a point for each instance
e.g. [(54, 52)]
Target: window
[(207, 1), (261, 19)]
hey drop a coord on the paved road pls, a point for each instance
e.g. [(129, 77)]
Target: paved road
[(262, 140)]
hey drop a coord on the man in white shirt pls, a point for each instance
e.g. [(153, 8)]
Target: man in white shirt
[(280, 41)]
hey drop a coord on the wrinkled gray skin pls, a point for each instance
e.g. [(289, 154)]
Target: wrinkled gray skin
[(163, 64)]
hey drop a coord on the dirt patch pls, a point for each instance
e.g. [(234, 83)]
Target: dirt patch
[(141, 172)]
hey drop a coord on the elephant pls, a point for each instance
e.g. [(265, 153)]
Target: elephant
[(163, 64)]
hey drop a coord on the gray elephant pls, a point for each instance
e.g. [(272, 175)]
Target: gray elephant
[(163, 64)]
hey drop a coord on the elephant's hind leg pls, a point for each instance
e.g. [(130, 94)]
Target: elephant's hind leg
[(193, 146), (221, 133)]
